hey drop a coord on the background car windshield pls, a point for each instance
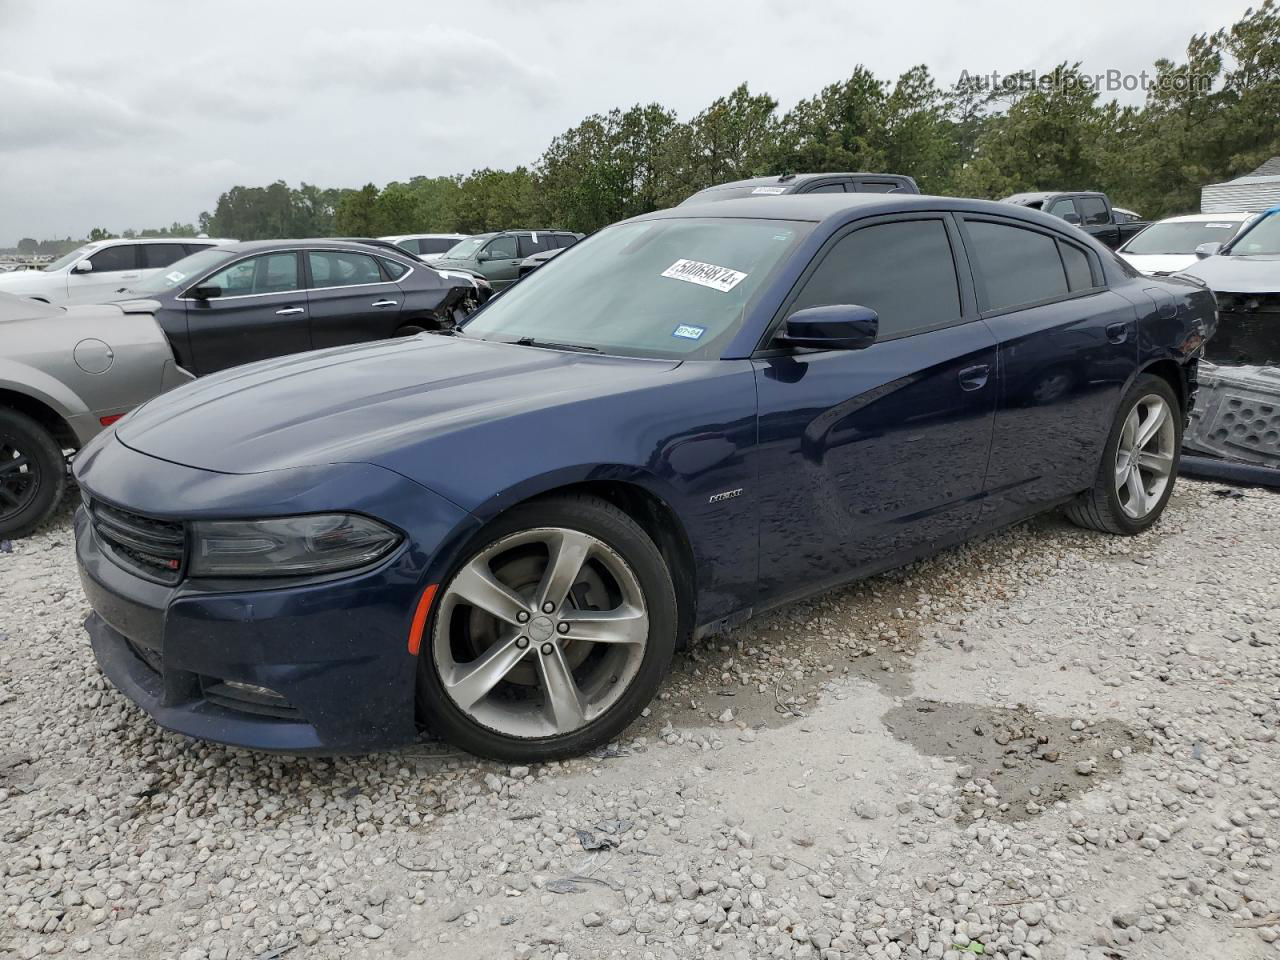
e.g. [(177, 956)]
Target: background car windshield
[(67, 258), (1262, 240), (1181, 237), (185, 269), (465, 249), (655, 288)]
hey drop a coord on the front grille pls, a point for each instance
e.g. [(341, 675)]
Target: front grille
[(155, 549), (248, 698)]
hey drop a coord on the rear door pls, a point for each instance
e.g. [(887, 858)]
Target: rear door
[(352, 298), (260, 312), (867, 455), (115, 268), (1067, 345)]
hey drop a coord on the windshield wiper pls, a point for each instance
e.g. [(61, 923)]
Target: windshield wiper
[(552, 345)]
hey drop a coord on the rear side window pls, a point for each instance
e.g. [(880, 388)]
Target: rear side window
[(394, 269), (412, 245), (339, 268), (197, 247), (535, 243), (1017, 266), (828, 188), (565, 240), (903, 271), (435, 244), (120, 257), (1093, 211), (268, 273), (156, 255), (1079, 273)]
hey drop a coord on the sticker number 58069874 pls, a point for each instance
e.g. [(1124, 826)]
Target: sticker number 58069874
[(705, 274)]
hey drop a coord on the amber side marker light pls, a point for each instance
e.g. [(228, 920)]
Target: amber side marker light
[(420, 618)]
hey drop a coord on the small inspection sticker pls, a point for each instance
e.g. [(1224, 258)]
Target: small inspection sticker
[(688, 332), (1220, 226), (705, 274), (770, 191)]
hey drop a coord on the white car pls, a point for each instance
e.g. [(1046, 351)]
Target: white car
[(1169, 246), (99, 269), (426, 244)]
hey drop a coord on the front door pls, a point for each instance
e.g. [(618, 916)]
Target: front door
[(114, 268), (260, 312), (867, 456), (499, 261)]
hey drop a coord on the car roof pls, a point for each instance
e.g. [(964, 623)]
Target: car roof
[(816, 207), (251, 246), (791, 179), (1206, 217), (425, 236), (1033, 196), (210, 241)]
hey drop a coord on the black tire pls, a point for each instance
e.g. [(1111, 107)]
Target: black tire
[(607, 523), (409, 330), (23, 510), (1099, 507)]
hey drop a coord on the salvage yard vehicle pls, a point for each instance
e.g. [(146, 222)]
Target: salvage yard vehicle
[(497, 256), (693, 416), (426, 244), (1170, 245), (65, 375), (268, 298), (1091, 212), (790, 183), (97, 270)]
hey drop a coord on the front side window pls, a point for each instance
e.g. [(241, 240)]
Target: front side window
[(268, 273), (501, 248), (1017, 266), (1093, 211), (156, 255), (877, 186), (120, 257), (903, 271), (828, 188), (411, 244), (1060, 208), (339, 268), (669, 288), (465, 249)]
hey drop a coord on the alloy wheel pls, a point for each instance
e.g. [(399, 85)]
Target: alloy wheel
[(19, 478), (1144, 456), (540, 633)]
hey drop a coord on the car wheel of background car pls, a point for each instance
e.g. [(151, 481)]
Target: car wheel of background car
[(552, 636), (1139, 465), (409, 330), (33, 473)]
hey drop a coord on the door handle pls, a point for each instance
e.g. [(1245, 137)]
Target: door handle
[(290, 311), (1117, 332), (975, 377), (130, 276), (384, 303)]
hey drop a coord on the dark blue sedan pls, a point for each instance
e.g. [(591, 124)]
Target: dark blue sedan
[(688, 418)]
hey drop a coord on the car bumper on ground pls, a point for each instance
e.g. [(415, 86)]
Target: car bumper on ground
[(296, 667)]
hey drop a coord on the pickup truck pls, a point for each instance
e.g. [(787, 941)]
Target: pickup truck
[(1091, 212)]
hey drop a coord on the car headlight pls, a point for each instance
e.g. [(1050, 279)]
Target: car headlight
[(288, 546)]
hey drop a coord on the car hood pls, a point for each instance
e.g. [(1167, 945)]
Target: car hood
[(1258, 274), (364, 403), (1151, 263)]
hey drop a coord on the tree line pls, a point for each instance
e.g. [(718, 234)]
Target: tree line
[(1208, 117)]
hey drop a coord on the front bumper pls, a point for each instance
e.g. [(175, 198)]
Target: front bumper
[(334, 652)]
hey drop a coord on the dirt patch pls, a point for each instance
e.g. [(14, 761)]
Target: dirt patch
[(1030, 760)]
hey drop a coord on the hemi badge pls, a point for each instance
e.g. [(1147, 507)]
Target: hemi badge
[(727, 495)]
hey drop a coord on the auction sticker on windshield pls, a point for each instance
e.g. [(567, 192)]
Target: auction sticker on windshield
[(770, 191), (705, 274)]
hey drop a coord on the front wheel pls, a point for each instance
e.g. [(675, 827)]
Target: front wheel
[(552, 636), (1139, 464)]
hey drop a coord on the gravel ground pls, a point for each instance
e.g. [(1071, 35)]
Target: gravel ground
[(1047, 744)]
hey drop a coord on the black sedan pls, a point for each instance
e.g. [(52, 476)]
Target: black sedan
[(242, 302)]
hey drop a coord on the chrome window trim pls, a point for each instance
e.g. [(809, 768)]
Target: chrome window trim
[(303, 289)]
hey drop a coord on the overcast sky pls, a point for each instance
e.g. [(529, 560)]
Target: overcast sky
[(140, 112)]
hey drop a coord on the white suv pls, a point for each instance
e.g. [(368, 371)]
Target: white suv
[(100, 269), (426, 244)]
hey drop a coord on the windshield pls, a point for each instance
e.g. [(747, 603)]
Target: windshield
[(188, 268), (466, 249), (656, 288), (1181, 236), (1262, 240), (735, 193), (67, 259)]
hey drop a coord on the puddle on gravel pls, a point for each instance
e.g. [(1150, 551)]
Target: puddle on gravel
[(1027, 758)]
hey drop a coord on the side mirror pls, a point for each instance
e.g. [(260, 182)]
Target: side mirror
[(1073, 218), (1210, 249), (206, 292), (841, 326), (84, 266)]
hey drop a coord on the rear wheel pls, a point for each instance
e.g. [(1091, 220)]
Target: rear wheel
[(33, 473), (553, 634), (1139, 465)]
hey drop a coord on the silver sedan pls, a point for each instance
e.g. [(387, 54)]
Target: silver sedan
[(65, 375)]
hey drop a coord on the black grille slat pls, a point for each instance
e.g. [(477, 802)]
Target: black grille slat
[(156, 549)]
